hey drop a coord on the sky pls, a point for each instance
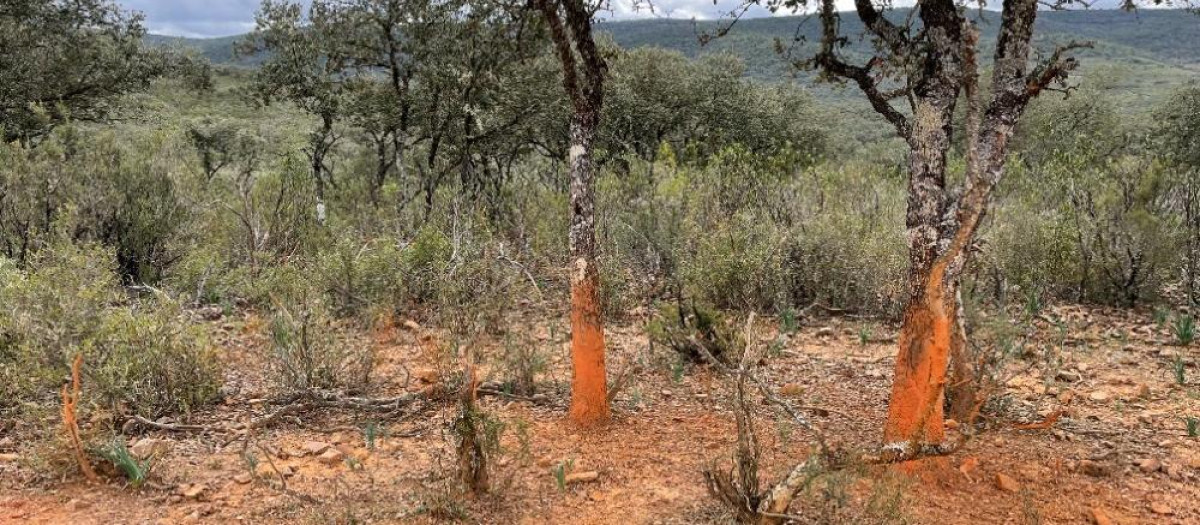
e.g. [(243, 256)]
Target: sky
[(213, 18)]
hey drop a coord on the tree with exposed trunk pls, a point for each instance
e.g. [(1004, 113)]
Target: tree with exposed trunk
[(583, 69), (921, 67)]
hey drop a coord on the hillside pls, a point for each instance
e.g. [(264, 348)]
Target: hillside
[(1136, 40)]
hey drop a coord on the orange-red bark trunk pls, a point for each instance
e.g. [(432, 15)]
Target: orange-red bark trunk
[(589, 389), (915, 410)]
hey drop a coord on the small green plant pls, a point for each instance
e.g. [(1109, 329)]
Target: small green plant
[(788, 321), (1185, 329), (134, 470), (1161, 316), (560, 472), (522, 362), (1180, 370), (1193, 426), (775, 349), (310, 351), (1033, 302), (251, 461), (693, 330), (864, 335), (677, 370), (635, 397), (371, 433)]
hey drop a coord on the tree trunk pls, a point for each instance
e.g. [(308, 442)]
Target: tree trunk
[(931, 313), (589, 389)]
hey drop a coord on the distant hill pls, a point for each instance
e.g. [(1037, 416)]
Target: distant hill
[(217, 50), (1139, 54)]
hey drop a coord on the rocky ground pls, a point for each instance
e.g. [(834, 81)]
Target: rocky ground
[(1093, 434)]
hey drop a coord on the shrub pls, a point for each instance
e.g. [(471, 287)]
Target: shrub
[(692, 329), (311, 352), (140, 355)]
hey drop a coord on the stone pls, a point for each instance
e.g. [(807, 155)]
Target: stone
[(194, 491), (243, 478), (951, 424), (826, 331), (582, 477), (791, 389), (412, 325), (1066, 396), (1150, 465), (76, 505), (1094, 469), (332, 456), (1099, 396), (314, 447), (9, 458), (1161, 508), (1007, 483), (1069, 376), (146, 448), (1099, 517)]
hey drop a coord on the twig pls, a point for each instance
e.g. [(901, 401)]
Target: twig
[(175, 427)]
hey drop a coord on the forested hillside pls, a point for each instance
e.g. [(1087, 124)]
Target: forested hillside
[(1133, 42)]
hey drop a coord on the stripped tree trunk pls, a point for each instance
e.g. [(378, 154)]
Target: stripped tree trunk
[(935, 65), (570, 23), (589, 395)]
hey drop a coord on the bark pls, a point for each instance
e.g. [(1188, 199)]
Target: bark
[(937, 65), (570, 23), (589, 396)]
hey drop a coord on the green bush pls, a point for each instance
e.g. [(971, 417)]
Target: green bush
[(310, 351), (141, 355)]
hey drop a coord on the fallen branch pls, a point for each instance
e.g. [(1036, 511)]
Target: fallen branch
[(292, 404)]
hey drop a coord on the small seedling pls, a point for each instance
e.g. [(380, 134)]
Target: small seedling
[(560, 472), (864, 335), (1177, 365), (635, 397), (788, 321), (371, 432), (1185, 329), (775, 350), (134, 470), (677, 370), (1033, 303), (1161, 316), (1193, 426)]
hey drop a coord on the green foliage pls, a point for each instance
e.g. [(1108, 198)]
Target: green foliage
[(141, 355), (69, 60), (692, 329), (117, 194), (1184, 328), (135, 471), (1179, 369), (1193, 426), (521, 364), (560, 472), (311, 352)]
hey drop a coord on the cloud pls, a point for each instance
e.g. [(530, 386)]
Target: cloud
[(213, 18), (196, 18)]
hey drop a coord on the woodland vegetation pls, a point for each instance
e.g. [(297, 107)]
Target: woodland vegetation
[(219, 245)]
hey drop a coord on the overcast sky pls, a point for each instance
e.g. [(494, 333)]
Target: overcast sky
[(210, 18)]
